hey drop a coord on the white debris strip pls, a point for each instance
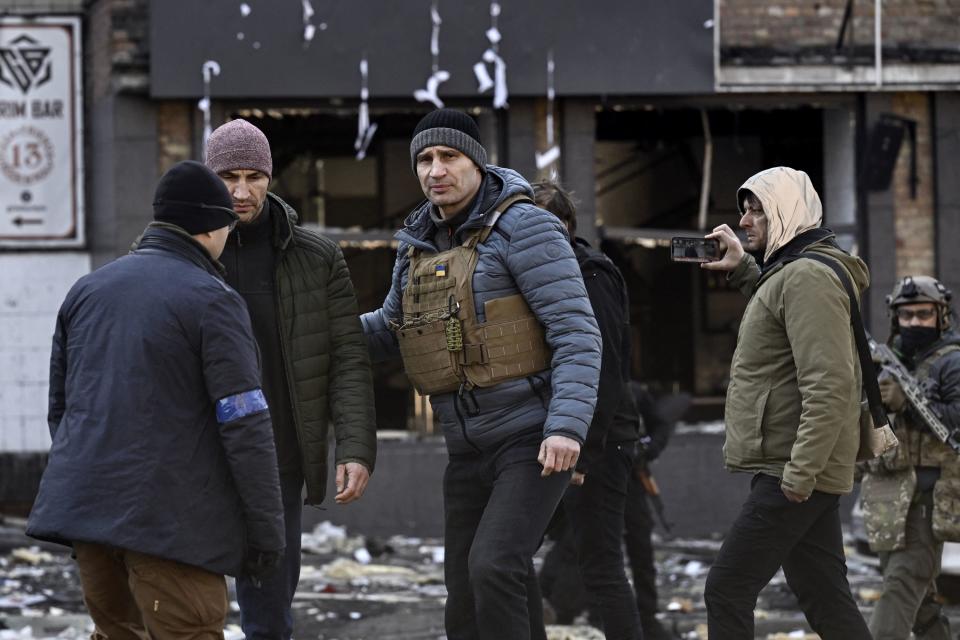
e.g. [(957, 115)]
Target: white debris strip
[(552, 154), (309, 29), (210, 68), (365, 130), (245, 11), (429, 94), (492, 56)]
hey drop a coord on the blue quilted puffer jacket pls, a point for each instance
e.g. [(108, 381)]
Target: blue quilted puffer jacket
[(530, 253)]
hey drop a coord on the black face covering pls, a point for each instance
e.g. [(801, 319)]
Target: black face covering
[(914, 340)]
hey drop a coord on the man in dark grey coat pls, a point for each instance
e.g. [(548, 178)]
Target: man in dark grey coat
[(162, 473), (315, 364), (516, 406)]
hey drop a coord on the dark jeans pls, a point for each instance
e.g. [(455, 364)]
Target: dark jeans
[(496, 509), (596, 518), (638, 521), (265, 610), (805, 539)]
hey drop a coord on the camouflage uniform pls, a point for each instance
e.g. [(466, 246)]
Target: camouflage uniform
[(906, 522)]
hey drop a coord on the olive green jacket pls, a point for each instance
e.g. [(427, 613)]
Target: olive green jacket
[(793, 402), (324, 352)]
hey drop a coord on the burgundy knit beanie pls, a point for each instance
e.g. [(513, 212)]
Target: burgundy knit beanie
[(239, 145)]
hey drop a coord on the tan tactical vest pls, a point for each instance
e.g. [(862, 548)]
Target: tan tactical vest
[(921, 448), (888, 490), (443, 345)]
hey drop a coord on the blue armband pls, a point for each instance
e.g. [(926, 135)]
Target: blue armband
[(240, 405)]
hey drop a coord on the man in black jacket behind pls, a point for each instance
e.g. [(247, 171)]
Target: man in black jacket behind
[(315, 364), (594, 503), (162, 474)]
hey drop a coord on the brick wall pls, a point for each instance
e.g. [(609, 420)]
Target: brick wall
[(174, 133), (117, 46), (43, 6), (914, 217), (791, 24)]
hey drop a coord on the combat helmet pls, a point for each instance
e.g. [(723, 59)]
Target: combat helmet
[(914, 289)]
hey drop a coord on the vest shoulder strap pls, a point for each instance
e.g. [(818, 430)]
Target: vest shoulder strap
[(924, 369), (868, 371), (484, 232)]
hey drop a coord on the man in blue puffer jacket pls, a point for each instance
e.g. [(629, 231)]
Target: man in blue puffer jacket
[(516, 392), (162, 473)]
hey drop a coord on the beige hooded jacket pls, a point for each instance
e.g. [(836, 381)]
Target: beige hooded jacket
[(794, 397)]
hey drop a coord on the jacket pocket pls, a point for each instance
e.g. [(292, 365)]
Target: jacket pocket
[(946, 509), (744, 423), (780, 420)]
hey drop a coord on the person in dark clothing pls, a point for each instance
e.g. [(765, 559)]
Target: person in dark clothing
[(657, 419), (488, 311), (560, 575), (162, 473), (594, 503), (315, 364)]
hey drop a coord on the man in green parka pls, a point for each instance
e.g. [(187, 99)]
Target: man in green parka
[(792, 410)]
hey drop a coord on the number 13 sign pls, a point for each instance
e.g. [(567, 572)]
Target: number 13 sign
[(41, 149)]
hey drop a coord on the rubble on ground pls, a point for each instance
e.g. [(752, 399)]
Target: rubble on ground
[(354, 587)]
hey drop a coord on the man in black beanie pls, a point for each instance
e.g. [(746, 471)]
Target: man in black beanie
[(488, 310), (162, 474)]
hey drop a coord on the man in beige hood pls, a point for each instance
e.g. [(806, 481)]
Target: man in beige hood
[(792, 410)]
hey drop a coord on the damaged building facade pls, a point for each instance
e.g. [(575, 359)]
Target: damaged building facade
[(651, 113)]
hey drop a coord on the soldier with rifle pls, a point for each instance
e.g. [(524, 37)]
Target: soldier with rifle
[(658, 416), (909, 494)]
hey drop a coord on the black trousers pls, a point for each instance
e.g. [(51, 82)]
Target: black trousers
[(803, 538), (638, 520), (497, 508), (585, 567)]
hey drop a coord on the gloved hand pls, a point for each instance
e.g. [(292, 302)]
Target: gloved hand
[(647, 449), (892, 394), (258, 564)]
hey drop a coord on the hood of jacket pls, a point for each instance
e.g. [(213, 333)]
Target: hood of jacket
[(790, 203), (497, 185), (822, 241)]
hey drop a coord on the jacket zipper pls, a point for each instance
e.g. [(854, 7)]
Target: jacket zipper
[(290, 381), (463, 423)]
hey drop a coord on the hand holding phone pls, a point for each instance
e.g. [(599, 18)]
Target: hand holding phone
[(730, 246), (694, 249)]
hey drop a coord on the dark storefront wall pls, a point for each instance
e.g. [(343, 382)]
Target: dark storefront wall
[(601, 47), (649, 164)]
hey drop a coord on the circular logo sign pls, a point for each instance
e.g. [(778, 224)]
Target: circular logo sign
[(26, 155)]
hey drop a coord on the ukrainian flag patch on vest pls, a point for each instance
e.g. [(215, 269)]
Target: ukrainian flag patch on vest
[(440, 270)]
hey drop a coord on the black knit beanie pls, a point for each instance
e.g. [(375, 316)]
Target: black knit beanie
[(194, 198), (450, 128)]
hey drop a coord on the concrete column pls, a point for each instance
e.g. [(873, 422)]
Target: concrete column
[(840, 174), (521, 138), (578, 151), (946, 133), (881, 243)]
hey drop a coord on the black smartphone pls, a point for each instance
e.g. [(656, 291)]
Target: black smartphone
[(693, 249)]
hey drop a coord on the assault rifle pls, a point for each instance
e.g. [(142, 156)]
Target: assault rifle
[(641, 470), (889, 361)]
